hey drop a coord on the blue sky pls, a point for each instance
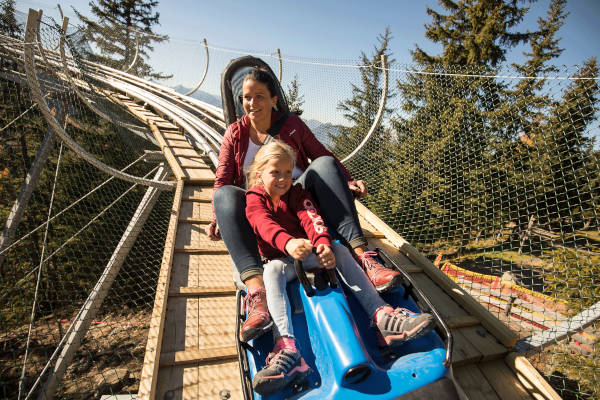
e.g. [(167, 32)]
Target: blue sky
[(316, 30), (331, 29)]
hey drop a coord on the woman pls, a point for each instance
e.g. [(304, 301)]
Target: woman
[(325, 177)]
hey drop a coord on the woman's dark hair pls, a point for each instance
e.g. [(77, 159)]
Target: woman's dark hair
[(261, 76)]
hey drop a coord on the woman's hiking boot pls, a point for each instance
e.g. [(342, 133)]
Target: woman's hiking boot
[(382, 278), (401, 325), (258, 320), (283, 368)]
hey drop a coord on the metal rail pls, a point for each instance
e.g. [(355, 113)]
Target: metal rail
[(137, 51), (205, 71), (30, 35), (379, 115)]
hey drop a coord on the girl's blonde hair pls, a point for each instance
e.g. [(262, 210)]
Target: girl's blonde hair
[(272, 150)]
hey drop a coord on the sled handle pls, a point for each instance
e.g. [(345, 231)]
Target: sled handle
[(310, 291)]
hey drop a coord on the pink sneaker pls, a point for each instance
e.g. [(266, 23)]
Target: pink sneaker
[(401, 325)]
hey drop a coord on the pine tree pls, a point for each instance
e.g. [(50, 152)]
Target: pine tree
[(360, 111), (115, 30), (522, 118), (8, 22), (294, 98), (444, 143), (564, 138), (474, 32)]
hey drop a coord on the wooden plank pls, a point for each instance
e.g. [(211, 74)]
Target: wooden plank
[(193, 250), (168, 134), (463, 351), (199, 176), (530, 378), (198, 356), (153, 347), (181, 325), (474, 384), (373, 234), (190, 162), (202, 271), (196, 210), (485, 342), (441, 301), (203, 291), (196, 220), (177, 171), (198, 199), (179, 143), (192, 236), (195, 192), (185, 153), (166, 125), (504, 382), (192, 332), (460, 321), (501, 331), (400, 259), (205, 382), (199, 323), (170, 383), (183, 273)]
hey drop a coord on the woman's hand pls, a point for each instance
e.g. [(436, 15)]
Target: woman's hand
[(325, 256), (212, 231), (358, 188), (299, 249)]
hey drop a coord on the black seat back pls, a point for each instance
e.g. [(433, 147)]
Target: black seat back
[(231, 87)]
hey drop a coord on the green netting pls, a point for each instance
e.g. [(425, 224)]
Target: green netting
[(492, 175)]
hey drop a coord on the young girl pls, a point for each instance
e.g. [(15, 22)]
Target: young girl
[(288, 226)]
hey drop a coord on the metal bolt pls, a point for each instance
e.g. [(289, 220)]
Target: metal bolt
[(169, 395), (224, 394)]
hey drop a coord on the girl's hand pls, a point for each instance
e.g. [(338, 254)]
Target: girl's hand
[(212, 231), (358, 188), (325, 256), (299, 249)]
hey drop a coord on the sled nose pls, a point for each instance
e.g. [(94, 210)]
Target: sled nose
[(356, 374)]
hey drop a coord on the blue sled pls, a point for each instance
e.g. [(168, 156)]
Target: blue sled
[(334, 336)]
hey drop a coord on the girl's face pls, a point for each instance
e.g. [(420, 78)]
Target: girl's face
[(276, 177), (257, 100)]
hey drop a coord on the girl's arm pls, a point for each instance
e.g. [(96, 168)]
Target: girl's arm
[(309, 216), (263, 223)]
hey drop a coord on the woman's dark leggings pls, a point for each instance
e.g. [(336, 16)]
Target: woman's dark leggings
[(328, 186)]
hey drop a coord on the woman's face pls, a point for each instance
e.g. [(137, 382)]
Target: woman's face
[(257, 101)]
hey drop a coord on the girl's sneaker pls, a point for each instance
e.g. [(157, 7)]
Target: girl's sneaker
[(283, 368), (401, 325)]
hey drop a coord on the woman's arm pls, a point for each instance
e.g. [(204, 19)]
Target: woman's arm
[(225, 173)]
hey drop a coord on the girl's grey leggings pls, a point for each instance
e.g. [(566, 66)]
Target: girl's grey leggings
[(279, 272)]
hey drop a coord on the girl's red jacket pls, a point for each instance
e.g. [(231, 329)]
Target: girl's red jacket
[(296, 217)]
